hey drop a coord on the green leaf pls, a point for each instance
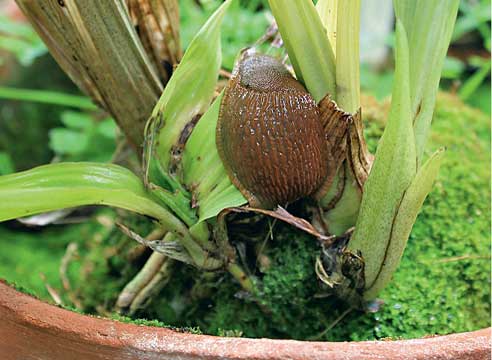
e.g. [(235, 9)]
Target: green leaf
[(407, 214), (473, 82), (347, 58), (47, 97), (204, 171), (107, 128), (452, 68), (429, 26), (188, 93), (58, 186), (307, 44), (76, 120), (21, 40), (66, 141), (392, 172), (65, 185), (344, 215), (327, 10)]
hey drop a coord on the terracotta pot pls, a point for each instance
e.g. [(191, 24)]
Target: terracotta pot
[(32, 329)]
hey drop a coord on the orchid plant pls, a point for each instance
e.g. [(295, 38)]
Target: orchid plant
[(365, 216)]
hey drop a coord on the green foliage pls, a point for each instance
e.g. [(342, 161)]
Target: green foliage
[(215, 191), (392, 172), (83, 138), (6, 164), (408, 210), (187, 94), (347, 56), (241, 27), (391, 193), (21, 40), (308, 46), (470, 87), (474, 16), (429, 25), (65, 185), (47, 97)]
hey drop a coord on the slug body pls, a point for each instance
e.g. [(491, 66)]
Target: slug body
[(269, 135)]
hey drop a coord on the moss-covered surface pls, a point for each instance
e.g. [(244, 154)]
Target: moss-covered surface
[(442, 285)]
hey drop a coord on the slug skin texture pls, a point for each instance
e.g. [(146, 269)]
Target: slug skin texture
[(269, 135)]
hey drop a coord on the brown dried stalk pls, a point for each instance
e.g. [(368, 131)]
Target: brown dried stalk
[(96, 44)]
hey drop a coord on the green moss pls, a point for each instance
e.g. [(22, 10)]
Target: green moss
[(26, 254)]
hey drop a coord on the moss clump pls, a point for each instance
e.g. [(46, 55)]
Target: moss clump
[(442, 285), (28, 253)]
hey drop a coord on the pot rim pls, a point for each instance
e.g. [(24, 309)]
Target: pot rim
[(31, 328)]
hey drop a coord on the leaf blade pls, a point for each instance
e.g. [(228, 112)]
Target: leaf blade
[(190, 89), (392, 171), (307, 44), (429, 25), (407, 214), (58, 186)]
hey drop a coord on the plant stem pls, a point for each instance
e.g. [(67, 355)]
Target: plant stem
[(238, 273), (307, 44), (327, 10), (144, 276), (47, 97), (156, 283), (347, 56)]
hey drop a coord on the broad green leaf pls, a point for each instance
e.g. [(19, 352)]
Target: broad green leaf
[(392, 171), (307, 44), (429, 26), (407, 214), (64, 185), (204, 171), (188, 92)]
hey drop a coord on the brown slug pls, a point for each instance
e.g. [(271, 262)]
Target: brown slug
[(269, 135)]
